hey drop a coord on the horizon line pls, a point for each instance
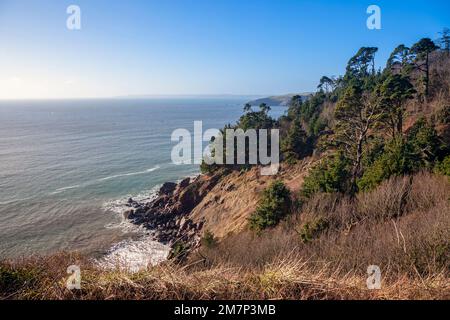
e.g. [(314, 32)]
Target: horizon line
[(144, 96)]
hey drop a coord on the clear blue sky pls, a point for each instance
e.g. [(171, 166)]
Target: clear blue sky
[(195, 46)]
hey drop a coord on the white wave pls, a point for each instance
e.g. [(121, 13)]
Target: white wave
[(121, 205), (129, 174), (134, 255), (60, 190), (127, 227), (14, 200)]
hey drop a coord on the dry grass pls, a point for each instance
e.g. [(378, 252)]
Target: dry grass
[(289, 278), (403, 226)]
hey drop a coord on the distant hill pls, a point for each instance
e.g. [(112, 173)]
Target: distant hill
[(282, 100)]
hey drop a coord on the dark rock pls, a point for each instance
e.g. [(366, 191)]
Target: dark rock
[(184, 183), (167, 216), (167, 188), (139, 211), (189, 198), (161, 201)]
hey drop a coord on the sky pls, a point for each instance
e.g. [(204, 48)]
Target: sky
[(190, 47)]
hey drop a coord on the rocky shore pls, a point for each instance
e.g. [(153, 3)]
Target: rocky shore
[(167, 215)]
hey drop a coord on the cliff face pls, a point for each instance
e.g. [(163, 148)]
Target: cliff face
[(221, 204), (227, 207)]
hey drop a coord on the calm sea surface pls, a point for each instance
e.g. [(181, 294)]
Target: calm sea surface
[(67, 167)]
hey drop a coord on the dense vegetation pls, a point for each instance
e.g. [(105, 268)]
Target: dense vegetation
[(369, 140), (359, 118), (366, 126)]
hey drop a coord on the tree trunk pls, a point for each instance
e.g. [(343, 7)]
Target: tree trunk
[(357, 165), (400, 122)]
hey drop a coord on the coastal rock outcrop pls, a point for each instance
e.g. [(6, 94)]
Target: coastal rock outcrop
[(167, 188), (167, 215)]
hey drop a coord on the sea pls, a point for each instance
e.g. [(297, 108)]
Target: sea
[(68, 167)]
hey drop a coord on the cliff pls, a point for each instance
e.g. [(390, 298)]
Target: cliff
[(219, 203)]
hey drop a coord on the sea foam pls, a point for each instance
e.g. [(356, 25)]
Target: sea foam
[(129, 174), (133, 255)]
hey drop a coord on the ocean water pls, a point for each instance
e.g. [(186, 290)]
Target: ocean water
[(67, 167)]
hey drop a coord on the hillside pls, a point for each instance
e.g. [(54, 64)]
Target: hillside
[(364, 181), (277, 264), (226, 209)]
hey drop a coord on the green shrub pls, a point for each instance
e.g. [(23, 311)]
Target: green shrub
[(399, 158), (12, 280), (310, 230), (207, 169), (295, 145), (272, 207), (426, 142), (443, 167), (209, 240), (179, 251), (444, 115), (331, 175), (318, 125)]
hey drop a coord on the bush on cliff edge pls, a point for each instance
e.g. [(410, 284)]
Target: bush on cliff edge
[(272, 207)]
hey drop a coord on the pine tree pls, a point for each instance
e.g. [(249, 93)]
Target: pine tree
[(444, 40), (421, 51), (355, 115), (392, 94), (295, 146), (400, 58)]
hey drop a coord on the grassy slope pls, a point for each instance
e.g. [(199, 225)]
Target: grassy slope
[(282, 279), (412, 251)]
